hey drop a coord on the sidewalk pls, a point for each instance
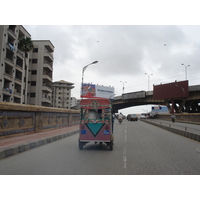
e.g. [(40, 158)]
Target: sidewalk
[(17, 144)]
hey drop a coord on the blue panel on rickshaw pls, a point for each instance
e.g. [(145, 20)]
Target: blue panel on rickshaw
[(83, 132)]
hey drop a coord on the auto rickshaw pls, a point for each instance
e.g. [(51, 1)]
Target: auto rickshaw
[(96, 122)]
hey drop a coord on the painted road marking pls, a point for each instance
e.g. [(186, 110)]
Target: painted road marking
[(124, 151)]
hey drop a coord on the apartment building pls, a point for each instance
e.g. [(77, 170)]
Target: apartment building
[(14, 65), (40, 73), (73, 103), (61, 95), (25, 78)]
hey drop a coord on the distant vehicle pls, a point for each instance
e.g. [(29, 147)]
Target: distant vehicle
[(132, 117), (120, 120), (143, 117)]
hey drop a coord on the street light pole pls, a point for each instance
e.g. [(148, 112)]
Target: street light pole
[(148, 79), (185, 70), (123, 86), (84, 68)]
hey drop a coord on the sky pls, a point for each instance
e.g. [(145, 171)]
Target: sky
[(130, 40), (124, 54)]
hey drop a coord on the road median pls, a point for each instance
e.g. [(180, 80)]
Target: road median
[(187, 134)]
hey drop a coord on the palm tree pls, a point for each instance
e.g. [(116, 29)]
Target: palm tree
[(25, 45)]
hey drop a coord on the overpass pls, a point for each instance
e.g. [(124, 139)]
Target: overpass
[(190, 104)]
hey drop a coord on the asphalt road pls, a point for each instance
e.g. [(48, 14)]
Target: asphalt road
[(139, 149)]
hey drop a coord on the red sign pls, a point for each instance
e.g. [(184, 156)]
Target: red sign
[(171, 90)]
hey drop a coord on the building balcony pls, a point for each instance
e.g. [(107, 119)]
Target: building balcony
[(48, 66), (46, 100), (11, 31), (7, 91), (18, 81), (8, 77), (17, 94), (47, 77), (49, 46), (46, 89), (19, 68), (20, 53), (48, 56), (9, 61)]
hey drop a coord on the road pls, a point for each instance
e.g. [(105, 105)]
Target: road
[(139, 149)]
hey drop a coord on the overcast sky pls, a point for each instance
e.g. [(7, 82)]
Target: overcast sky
[(124, 53)]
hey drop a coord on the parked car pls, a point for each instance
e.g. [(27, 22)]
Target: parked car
[(132, 117)]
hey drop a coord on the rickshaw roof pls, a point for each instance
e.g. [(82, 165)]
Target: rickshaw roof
[(95, 102)]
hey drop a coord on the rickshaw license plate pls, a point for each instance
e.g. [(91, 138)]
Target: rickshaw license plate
[(106, 132)]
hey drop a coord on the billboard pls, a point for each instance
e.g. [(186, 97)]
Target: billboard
[(93, 91), (171, 90)]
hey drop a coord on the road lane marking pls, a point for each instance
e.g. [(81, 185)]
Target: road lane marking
[(125, 138), (124, 151), (124, 158)]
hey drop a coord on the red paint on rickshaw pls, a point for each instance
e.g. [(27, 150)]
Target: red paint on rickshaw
[(96, 122)]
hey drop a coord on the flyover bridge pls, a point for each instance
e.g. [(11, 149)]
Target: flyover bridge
[(189, 104)]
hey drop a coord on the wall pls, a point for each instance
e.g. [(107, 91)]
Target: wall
[(18, 119), (185, 117)]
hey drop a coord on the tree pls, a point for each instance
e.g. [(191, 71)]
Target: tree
[(25, 45)]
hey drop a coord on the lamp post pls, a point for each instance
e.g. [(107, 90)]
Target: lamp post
[(148, 79), (185, 70), (123, 86), (84, 68)]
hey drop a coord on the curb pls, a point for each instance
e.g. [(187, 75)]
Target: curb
[(192, 136), (7, 152)]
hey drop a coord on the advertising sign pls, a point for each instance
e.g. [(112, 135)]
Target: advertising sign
[(171, 90), (93, 91)]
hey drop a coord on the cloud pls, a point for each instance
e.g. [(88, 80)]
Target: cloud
[(124, 53)]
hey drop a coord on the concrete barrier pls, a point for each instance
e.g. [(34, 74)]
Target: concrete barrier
[(193, 118), (192, 136)]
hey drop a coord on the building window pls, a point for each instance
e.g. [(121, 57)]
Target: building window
[(33, 83), (34, 72), (35, 50), (34, 60), (32, 94)]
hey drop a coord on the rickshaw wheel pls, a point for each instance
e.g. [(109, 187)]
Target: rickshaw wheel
[(80, 145)]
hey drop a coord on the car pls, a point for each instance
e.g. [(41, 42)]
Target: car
[(132, 117), (143, 117)]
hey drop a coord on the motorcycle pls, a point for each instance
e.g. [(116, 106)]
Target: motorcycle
[(173, 118), (120, 120)]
